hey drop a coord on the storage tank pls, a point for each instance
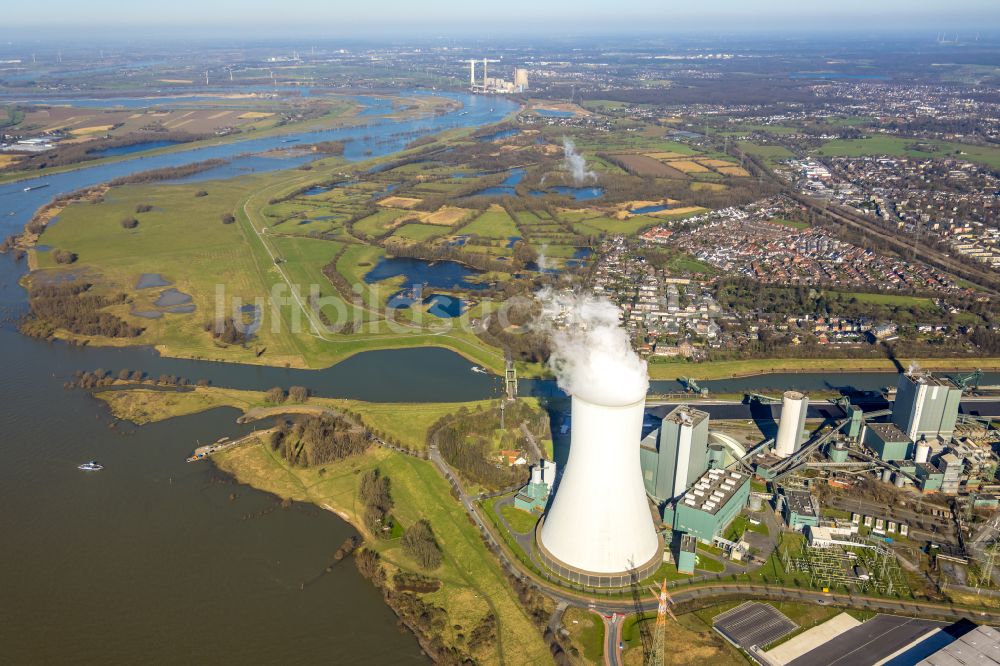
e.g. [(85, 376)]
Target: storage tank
[(756, 502), (600, 521), (923, 451), (838, 452), (536, 474), (716, 456), (887, 476), (900, 480), (794, 406)]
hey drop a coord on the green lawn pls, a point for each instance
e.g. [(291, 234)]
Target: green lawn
[(519, 521)]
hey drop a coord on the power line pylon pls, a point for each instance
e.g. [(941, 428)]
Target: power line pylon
[(657, 655)]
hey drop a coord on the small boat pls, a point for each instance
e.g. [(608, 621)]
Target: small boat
[(480, 370), (91, 466), (35, 187)]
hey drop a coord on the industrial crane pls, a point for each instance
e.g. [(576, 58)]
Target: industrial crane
[(968, 381)]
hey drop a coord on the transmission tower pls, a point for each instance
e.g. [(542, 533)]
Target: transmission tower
[(657, 655)]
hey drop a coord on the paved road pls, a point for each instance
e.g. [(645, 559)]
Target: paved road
[(613, 638)]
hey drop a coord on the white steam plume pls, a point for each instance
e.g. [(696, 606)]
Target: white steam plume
[(591, 355), (543, 261), (575, 164)]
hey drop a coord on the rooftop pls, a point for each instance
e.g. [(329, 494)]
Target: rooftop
[(684, 415), (888, 432), (800, 502), (713, 490), (929, 380)]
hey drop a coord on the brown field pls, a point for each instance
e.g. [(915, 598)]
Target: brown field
[(400, 202), (670, 212), (7, 160), (667, 156), (714, 187), (715, 163), (446, 216), (84, 123), (254, 115), (687, 166), (183, 81), (733, 171), (93, 129), (641, 165)]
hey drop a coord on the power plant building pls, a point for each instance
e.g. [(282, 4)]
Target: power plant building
[(678, 456), (926, 406), (534, 496), (799, 510), (711, 504), (887, 441), (794, 406)]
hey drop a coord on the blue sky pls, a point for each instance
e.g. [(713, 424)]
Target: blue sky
[(339, 18)]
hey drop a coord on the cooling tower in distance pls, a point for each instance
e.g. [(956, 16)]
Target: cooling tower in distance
[(794, 406), (599, 523)]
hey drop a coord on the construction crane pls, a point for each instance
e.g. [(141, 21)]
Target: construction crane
[(657, 656)]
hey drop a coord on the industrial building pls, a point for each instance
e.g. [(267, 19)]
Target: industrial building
[(799, 509), (887, 441), (676, 455), (687, 554), (711, 504), (926, 406), (535, 494)]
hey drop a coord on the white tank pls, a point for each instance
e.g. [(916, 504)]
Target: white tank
[(923, 451), (794, 406), (886, 476), (599, 520), (536, 474)]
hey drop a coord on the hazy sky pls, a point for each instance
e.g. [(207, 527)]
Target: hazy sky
[(340, 18)]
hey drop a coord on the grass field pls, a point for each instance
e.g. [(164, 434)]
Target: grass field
[(904, 147), (519, 521), (493, 223), (586, 631)]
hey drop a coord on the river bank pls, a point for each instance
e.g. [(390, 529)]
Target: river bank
[(472, 584)]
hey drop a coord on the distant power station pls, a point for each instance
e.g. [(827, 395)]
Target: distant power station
[(599, 528), (490, 85)]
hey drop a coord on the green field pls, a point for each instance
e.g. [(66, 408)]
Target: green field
[(904, 147), (492, 224)]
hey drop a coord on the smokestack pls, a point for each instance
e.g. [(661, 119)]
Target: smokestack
[(599, 527)]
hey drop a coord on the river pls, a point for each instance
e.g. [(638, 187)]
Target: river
[(154, 559)]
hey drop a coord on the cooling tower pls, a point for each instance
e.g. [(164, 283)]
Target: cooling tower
[(794, 406), (599, 527)]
